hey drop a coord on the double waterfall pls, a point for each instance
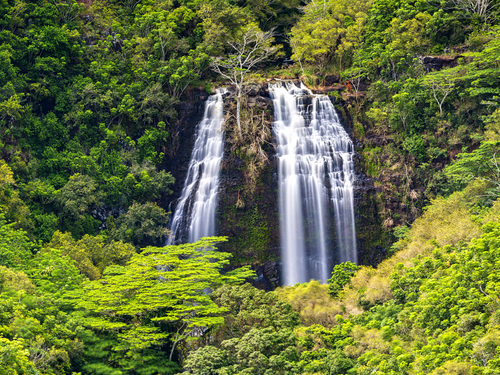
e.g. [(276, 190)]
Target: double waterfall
[(315, 176), (316, 173)]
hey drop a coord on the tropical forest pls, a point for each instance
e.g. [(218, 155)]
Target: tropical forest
[(249, 187)]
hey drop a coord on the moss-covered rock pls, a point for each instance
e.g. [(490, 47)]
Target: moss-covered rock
[(248, 212)]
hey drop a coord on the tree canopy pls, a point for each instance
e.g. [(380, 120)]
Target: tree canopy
[(98, 103)]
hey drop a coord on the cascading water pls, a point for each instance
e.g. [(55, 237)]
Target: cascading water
[(194, 215), (316, 174)]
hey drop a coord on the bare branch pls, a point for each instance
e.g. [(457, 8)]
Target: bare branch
[(481, 8), (250, 50), (440, 90)]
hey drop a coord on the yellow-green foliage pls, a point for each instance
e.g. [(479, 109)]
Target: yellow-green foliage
[(453, 368), (492, 132), (10, 203), (312, 301), (482, 349), (332, 30), (367, 340), (443, 319), (14, 358), (6, 175), (445, 222), (493, 214), (16, 280), (92, 254)]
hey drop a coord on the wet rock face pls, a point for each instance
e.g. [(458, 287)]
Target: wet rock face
[(371, 236), (102, 213), (253, 89), (258, 101), (247, 211), (248, 215), (190, 114), (369, 229), (268, 275)]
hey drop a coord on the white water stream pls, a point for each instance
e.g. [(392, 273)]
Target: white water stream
[(194, 215), (316, 174)]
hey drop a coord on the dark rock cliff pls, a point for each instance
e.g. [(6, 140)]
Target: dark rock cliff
[(247, 212), (372, 237), (190, 114)]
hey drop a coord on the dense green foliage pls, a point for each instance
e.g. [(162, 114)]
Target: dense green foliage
[(341, 276), (430, 309), (421, 83), (90, 97), (136, 319)]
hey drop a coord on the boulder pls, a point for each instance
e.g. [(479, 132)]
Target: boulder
[(252, 89)]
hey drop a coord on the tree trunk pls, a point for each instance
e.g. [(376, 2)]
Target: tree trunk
[(174, 345), (238, 105)]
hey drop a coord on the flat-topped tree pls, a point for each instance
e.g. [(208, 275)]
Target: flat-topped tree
[(158, 299), (252, 47)]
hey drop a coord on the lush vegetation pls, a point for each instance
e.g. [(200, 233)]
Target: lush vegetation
[(131, 320), (432, 308), (90, 97)]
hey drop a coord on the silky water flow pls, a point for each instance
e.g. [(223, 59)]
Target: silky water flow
[(315, 176), (194, 215)]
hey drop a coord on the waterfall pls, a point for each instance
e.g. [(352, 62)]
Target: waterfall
[(194, 215), (316, 174)]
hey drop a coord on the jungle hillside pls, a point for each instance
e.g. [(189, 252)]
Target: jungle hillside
[(98, 104)]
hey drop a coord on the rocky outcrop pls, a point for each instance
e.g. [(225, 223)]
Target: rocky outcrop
[(250, 219), (439, 62)]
